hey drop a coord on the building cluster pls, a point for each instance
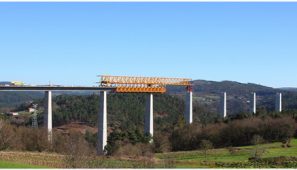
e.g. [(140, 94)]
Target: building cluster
[(32, 108)]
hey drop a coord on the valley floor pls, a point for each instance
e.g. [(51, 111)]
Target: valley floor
[(238, 157)]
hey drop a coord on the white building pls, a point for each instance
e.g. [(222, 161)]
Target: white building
[(31, 110), (12, 113)]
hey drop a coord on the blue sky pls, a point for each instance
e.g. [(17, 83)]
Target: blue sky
[(72, 43)]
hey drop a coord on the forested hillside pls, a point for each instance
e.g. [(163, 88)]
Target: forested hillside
[(126, 124), (239, 95), (124, 110), (9, 100), (12, 99)]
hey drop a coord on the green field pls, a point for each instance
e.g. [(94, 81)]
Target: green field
[(6, 164), (216, 158), (194, 159)]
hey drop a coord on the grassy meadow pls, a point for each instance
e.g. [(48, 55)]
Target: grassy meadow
[(215, 158), (6, 164), (194, 159)]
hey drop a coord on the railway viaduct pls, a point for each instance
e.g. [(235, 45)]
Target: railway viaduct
[(120, 84), (150, 86)]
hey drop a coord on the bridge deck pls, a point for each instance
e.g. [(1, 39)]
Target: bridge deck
[(54, 88)]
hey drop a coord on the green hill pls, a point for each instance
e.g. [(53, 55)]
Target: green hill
[(205, 93), (208, 94), (10, 99)]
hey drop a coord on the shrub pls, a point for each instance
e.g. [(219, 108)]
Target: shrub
[(258, 150), (186, 138), (77, 151), (161, 143), (232, 150), (286, 143), (6, 135), (134, 151), (239, 132), (205, 145), (31, 139), (91, 138), (59, 143), (277, 129), (277, 162), (120, 139)]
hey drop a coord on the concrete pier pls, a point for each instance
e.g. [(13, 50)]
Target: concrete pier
[(48, 114), (189, 108), (278, 102), (224, 105), (149, 115), (254, 103), (102, 123)]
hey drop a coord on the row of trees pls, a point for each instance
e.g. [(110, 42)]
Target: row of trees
[(233, 133)]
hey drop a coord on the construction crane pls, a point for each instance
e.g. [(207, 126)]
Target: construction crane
[(127, 84)]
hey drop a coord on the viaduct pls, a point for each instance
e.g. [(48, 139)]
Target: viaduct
[(107, 85)]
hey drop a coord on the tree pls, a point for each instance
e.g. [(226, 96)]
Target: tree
[(77, 151), (161, 142), (6, 135), (286, 143), (180, 121), (205, 145), (258, 150)]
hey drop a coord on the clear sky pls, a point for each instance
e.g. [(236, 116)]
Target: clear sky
[(72, 43)]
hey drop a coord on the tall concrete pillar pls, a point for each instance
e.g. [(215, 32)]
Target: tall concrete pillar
[(278, 102), (224, 105), (102, 123), (254, 103), (149, 115), (48, 114), (189, 107)]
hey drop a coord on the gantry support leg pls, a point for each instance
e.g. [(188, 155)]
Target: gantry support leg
[(48, 114), (102, 123), (278, 102), (189, 108), (149, 116)]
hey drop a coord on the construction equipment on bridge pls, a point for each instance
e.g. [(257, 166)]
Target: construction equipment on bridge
[(126, 84)]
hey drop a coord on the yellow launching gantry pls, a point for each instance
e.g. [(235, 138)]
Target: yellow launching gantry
[(127, 84)]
